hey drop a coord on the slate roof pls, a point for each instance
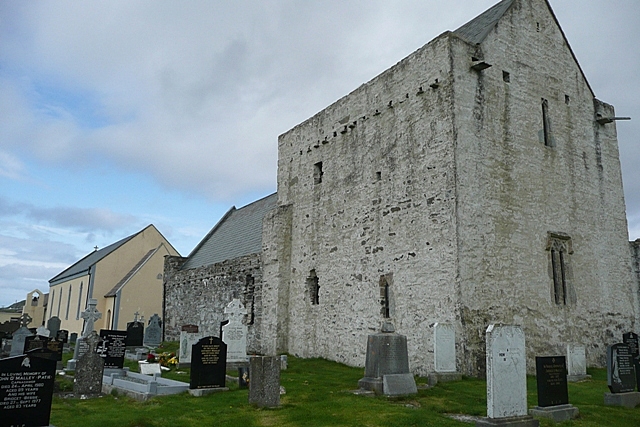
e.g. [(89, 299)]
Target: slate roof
[(237, 234), (129, 275), (476, 30)]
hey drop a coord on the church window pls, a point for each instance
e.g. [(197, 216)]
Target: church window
[(250, 297), (59, 302), (378, 176), (53, 294), (66, 317), (34, 300), (313, 287), (385, 300), (506, 77), (546, 125), (79, 299), (317, 173), (560, 249), (567, 99)]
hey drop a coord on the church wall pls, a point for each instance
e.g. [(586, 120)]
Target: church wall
[(369, 185), (199, 296), (513, 191)]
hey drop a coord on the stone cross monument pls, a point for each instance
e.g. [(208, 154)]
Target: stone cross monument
[(90, 315)]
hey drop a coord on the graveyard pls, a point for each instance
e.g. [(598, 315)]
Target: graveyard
[(319, 393)]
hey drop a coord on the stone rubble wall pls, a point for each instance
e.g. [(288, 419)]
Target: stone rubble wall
[(199, 296)]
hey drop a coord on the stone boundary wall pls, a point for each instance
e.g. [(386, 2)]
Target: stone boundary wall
[(635, 262), (199, 295)]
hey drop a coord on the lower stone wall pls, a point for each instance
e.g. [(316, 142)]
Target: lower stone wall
[(635, 262), (199, 296)]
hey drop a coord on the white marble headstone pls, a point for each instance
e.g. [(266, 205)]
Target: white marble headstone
[(42, 331), (149, 368), (576, 360), (234, 333), (187, 340), (444, 347), (506, 372)]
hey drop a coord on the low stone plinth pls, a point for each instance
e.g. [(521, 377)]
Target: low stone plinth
[(141, 387), (525, 421), (628, 400), (557, 413), (443, 377), (199, 392), (399, 385)]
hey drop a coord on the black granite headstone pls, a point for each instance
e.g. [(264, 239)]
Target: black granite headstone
[(63, 336), (208, 363), (73, 337), (135, 334), (621, 376), (35, 342), (631, 339), (113, 348), (26, 390), (551, 378)]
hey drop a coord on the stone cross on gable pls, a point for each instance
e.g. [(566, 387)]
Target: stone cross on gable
[(90, 315), (25, 319), (235, 310), (135, 316)]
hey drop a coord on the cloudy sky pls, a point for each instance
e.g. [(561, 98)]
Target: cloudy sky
[(118, 114)]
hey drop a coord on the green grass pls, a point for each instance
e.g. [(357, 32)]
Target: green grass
[(318, 394)]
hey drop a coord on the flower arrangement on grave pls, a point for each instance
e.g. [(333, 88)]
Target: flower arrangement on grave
[(167, 359)]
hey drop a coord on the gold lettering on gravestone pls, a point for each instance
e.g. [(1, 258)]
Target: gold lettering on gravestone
[(555, 374), (210, 354)]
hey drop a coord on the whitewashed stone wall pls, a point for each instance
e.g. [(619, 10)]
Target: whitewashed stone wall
[(513, 190), (446, 190), (199, 296)]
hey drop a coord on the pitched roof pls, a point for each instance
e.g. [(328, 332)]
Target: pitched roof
[(82, 267), (133, 271), (476, 30), (238, 233)]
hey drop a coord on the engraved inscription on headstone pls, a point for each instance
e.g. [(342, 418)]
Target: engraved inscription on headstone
[(153, 333), (34, 342), (234, 333), (631, 339), (208, 363), (187, 340), (26, 390), (576, 361), (112, 348), (621, 376), (551, 378), (63, 336)]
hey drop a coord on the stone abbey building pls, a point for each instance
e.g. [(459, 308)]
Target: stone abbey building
[(477, 181)]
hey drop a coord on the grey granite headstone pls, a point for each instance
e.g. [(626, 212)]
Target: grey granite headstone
[(386, 355), (234, 333), (73, 337), (53, 325), (89, 369), (17, 343), (153, 333), (187, 340), (264, 386), (506, 378)]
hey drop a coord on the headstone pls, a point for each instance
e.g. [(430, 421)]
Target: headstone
[(26, 390), (53, 325), (153, 333), (90, 315), (621, 377), (208, 363), (506, 378), (89, 369), (43, 332), (9, 327), (234, 333), (112, 348), (73, 338), (631, 339), (386, 355), (149, 368), (444, 354), (264, 386), (243, 377), (34, 342), (19, 336), (62, 335), (135, 332), (284, 362), (576, 363), (553, 394), (192, 329), (187, 340)]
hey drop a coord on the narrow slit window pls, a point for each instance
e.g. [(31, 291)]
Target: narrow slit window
[(66, 316), (546, 126), (559, 247), (317, 173), (313, 287), (79, 301), (506, 77), (250, 297), (385, 305)]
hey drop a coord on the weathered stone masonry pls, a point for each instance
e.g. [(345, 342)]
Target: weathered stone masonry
[(199, 295)]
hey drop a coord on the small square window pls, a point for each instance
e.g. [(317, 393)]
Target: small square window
[(317, 173)]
